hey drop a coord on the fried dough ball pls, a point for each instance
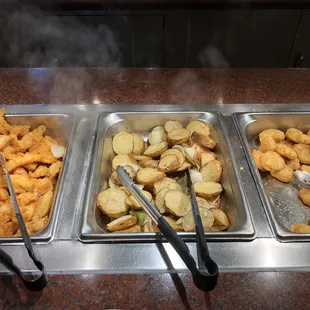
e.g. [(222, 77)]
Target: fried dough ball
[(272, 161), (257, 160), (303, 153), (285, 175), (304, 194), (293, 163), (276, 134), (286, 151), (287, 143), (267, 144), (297, 136), (305, 168)]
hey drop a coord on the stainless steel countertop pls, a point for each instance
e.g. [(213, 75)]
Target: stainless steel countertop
[(65, 254)]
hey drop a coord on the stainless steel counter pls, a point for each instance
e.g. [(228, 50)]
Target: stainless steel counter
[(66, 254)]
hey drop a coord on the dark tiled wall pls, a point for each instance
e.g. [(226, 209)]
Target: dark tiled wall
[(201, 38)]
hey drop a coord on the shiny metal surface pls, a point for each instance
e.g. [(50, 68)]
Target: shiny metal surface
[(61, 128), (66, 254), (280, 200), (233, 201)]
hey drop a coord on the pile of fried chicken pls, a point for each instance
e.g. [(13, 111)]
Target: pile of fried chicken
[(33, 168)]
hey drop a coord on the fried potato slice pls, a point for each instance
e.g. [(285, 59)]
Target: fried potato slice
[(300, 228), (267, 144), (212, 172), (156, 150), (202, 140), (293, 163), (123, 160), (177, 203), (147, 176), (169, 163), (131, 172), (305, 168), (303, 153), (304, 194), (112, 202), (207, 190), (276, 134), (207, 219), (157, 135), (134, 204), (159, 200), (184, 166), (173, 223), (257, 160), (122, 222), (142, 157), (150, 163), (206, 157), (180, 155), (123, 143), (272, 161), (198, 126), (172, 125), (285, 151), (166, 182), (112, 184), (204, 204), (132, 229), (178, 136), (220, 217), (138, 144)]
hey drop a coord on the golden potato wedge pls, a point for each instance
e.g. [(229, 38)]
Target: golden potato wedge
[(168, 183), (180, 155), (114, 176), (134, 204), (122, 222), (204, 141), (169, 163), (156, 150), (159, 200), (132, 229), (212, 172), (177, 203), (123, 143), (207, 190), (147, 176), (300, 228), (112, 202), (184, 166), (173, 223), (149, 163), (157, 135), (207, 219), (220, 217), (123, 160), (199, 127), (178, 136), (138, 144), (172, 125), (276, 134)]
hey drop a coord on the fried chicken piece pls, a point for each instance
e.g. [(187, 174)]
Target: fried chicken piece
[(19, 130), (300, 228), (19, 170), (303, 153), (44, 205), (297, 136), (288, 143), (4, 195), (276, 134), (293, 163), (8, 229), (4, 126), (4, 140), (6, 213), (44, 148), (22, 183), (22, 159), (9, 152), (41, 186), (31, 167), (285, 151), (41, 171), (28, 211), (31, 138), (267, 144), (272, 161), (54, 169), (285, 175), (257, 160), (304, 194), (26, 198), (3, 181), (34, 227), (305, 168)]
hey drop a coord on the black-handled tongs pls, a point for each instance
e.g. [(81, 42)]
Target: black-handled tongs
[(206, 274), (40, 281)]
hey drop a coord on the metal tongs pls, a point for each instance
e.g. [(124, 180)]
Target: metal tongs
[(206, 274), (40, 281)]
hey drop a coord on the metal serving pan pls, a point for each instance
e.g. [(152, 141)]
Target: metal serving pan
[(280, 200), (93, 226), (60, 127)]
